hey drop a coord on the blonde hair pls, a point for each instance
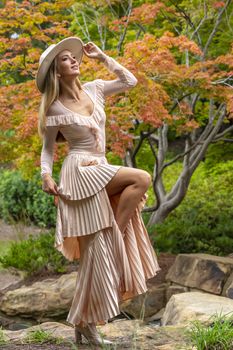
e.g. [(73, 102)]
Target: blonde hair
[(50, 94)]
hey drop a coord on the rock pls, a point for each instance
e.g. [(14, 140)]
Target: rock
[(165, 260), (57, 329), (155, 317), (201, 271), (175, 289), (186, 307), (48, 298), (147, 304), (129, 334), (53, 297), (228, 287)]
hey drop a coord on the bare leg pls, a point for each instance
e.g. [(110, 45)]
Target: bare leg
[(131, 184), (84, 242)]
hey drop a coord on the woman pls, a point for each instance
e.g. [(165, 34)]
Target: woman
[(98, 211)]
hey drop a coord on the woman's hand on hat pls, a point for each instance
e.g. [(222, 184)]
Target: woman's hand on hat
[(91, 50), (49, 185)]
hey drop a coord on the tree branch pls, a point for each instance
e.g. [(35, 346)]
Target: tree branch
[(196, 159), (137, 148), (188, 20), (155, 181), (181, 155), (223, 133), (196, 31), (122, 37), (212, 34), (223, 139)]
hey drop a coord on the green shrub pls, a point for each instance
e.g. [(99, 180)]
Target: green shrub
[(13, 195), (217, 154), (203, 222), (34, 255), (24, 200)]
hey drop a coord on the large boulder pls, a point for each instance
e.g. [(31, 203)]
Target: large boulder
[(186, 307), (48, 298), (228, 287), (201, 271), (52, 298), (126, 334), (147, 304)]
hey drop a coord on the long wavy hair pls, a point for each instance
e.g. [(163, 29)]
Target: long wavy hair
[(50, 94)]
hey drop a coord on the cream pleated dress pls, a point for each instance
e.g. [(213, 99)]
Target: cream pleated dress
[(114, 266)]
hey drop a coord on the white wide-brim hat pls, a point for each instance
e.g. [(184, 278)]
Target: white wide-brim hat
[(73, 44)]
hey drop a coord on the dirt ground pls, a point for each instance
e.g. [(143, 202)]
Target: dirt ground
[(35, 347), (66, 346), (51, 347)]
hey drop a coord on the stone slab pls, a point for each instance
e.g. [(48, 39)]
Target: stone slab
[(47, 298), (201, 271), (228, 287), (186, 307)]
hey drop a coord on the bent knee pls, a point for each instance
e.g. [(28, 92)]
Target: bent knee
[(144, 179)]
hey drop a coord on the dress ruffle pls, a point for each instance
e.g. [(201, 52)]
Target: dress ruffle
[(84, 175), (74, 118), (86, 217)]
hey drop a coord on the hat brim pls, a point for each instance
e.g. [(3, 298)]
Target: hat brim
[(73, 44)]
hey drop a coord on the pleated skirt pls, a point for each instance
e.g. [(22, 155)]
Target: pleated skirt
[(114, 266)]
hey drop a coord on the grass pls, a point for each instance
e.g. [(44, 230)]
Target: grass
[(41, 336), (4, 248), (2, 337), (216, 335)]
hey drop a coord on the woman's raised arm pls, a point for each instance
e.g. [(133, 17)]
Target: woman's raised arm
[(125, 80)]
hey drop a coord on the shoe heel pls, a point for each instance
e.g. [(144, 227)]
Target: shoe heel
[(77, 336)]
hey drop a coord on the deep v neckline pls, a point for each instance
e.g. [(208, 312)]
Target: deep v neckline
[(82, 115)]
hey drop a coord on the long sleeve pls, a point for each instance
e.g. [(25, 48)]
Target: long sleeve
[(48, 150), (125, 79)]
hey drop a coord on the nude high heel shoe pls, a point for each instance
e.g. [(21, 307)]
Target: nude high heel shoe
[(91, 334), (77, 336)]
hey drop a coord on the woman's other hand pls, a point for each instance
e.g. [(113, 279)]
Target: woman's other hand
[(93, 51), (49, 185), (55, 200)]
